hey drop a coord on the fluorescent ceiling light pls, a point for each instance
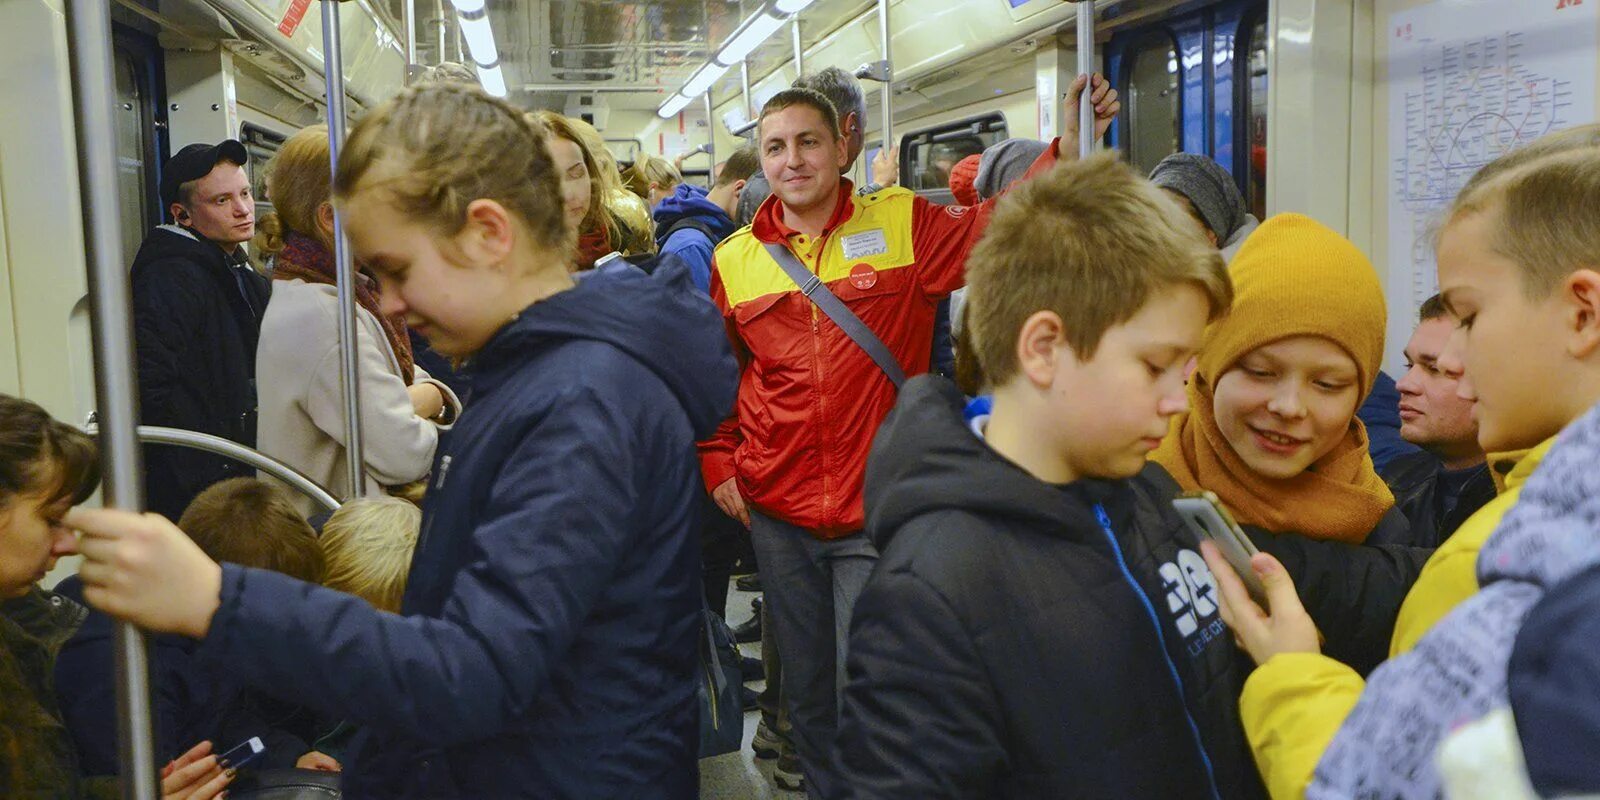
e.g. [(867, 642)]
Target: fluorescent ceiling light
[(749, 37), (703, 79), (673, 106), (480, 40), (784, 6), (468, 6), (493, 81)]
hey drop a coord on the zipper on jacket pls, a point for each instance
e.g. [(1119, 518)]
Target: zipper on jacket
[(820, 249), (1172, 668)]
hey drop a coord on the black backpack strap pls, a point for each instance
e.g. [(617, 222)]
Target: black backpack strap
[(687, 222)]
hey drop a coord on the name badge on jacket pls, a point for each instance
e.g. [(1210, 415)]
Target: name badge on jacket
[(866, 243)]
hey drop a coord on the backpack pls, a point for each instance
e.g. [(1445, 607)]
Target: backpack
[(665, 233), (718, 688)]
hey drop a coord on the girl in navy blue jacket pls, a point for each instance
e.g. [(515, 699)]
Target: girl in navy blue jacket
[(548, 643)]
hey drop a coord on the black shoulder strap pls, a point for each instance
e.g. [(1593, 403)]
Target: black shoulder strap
[(812, 287), (687, 222)]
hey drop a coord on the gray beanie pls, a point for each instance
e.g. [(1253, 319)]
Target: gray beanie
[(1209, 188), (1005, 162)]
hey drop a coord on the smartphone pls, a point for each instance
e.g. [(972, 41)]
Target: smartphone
[(243, 753), (1206, 517)]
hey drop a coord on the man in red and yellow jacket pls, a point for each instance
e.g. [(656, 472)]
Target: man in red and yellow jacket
[(790, 461)]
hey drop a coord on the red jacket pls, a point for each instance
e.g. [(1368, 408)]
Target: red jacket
[(810, 399)]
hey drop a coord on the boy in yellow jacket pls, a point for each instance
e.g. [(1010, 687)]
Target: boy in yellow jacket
[(1517, 319)]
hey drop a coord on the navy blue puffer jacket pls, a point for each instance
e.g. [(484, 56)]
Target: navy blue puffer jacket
[(548, 644)]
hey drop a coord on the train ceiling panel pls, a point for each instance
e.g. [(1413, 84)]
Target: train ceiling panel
[(637, 52)]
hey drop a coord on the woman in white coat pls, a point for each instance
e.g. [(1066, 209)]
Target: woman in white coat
[(298, 373)]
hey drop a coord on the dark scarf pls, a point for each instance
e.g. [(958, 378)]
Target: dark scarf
[(305, 258), (591, 246)]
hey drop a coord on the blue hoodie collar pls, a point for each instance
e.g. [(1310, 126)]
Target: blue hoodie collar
[(691, 202)]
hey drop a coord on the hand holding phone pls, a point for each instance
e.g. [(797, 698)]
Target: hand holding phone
[(1207, 517), (243, 753)]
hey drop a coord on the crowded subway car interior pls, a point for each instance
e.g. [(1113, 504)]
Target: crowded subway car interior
[(782, 398)]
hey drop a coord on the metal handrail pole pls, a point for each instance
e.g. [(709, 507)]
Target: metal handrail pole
[(344, 264), (1085, 27), (888, 74), (116, 382), (711, 139), (195, 440), (799, 49), (411, 38)]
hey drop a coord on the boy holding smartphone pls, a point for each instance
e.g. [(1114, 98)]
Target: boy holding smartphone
[(1041, 623)]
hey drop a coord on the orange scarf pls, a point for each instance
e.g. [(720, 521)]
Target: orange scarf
[(1339, 497)]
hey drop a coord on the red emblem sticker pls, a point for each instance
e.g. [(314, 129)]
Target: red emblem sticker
[(863, 276)]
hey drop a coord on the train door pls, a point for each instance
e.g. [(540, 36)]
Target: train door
[(138, 122), (1196, 82)]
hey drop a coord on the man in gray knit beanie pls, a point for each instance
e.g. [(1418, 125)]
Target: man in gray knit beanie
[(1213, 198)]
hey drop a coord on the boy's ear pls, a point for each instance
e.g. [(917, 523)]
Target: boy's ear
[(489, 234), (1582, 290), (1038, 344)]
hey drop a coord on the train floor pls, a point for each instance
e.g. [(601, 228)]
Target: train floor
[(742, 776)]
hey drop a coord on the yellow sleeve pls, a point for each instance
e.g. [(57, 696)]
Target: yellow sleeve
[(1291, 707)]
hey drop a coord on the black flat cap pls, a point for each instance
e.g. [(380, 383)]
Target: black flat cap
[(195, 162)]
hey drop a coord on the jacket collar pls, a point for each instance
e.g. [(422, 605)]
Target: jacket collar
[(768, 225), (1511, 470), (44, 617)]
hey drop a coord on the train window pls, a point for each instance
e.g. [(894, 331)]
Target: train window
[(927, 155), (1256, 122), (1154, 112), (133, 148), (262, 144)]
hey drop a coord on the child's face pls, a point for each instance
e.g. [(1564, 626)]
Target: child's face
[(31, 539), (1511, 349), (1113, 409), (458, 305), (1286, 404)]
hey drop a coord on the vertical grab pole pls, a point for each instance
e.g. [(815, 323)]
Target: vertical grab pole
[(344, 266), (799, 49), (116, 383), (711, 140), (1085, 67), (744, 81), (888, 73), (411, 38)]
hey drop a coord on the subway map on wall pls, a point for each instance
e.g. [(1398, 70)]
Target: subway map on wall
[(1468, 81)]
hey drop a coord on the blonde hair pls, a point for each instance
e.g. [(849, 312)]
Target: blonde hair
[(1091, 241), (298, 183), (652, 169), (368, 545), (1541, 199), (253, 523), (436, 147), (606, 211)]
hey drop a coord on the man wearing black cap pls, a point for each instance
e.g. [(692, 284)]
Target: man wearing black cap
[(197, 309)]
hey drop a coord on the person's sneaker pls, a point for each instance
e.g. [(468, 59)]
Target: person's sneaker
[(787, 773), (747, 698), (765, 743), (748, 583), (749, 631)]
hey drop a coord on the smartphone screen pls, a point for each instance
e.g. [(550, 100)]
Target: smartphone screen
[(243, 753)]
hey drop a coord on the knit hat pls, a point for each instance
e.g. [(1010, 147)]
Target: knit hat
[(1004, 163), (1293, 277), (962, 176), (1208, 187)]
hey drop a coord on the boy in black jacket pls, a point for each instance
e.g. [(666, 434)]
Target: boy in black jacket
[(1041, 624)]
